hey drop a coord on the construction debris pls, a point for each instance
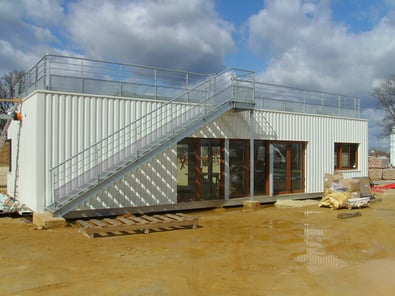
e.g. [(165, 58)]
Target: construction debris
[(335, 200), (130, 223), (349, 215), (9, 205), (353, 193), (292, 203)]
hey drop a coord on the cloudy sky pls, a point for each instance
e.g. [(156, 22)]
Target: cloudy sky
[(340, 46)]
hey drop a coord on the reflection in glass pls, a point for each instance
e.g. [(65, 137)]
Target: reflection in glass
[(210, 169), (186, 170), (279, 168), (260, 168), (237, 151), (297, 167)]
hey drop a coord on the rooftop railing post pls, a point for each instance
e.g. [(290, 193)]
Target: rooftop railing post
[(339, 105), (120, 81), (304, 101), (155, 84), (82, 76), (187, 86)]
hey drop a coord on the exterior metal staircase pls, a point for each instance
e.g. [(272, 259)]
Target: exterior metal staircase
[(96, 168)]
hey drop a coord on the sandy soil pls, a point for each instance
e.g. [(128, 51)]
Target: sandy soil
[(273, 251)]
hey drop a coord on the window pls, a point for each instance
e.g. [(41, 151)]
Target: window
[(238, 162), (199, 169), (346, 156), (288, 167)]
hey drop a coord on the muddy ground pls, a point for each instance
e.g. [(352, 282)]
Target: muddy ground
[(273, 251)]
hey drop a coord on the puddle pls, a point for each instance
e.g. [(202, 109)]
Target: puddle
[(315, 257)]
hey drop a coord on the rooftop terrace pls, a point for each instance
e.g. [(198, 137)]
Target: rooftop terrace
[(80, 75)]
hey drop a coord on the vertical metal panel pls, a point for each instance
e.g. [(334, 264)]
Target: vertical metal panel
[(152, 184), (74, 122), (319, 133)]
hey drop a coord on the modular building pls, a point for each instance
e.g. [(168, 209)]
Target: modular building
[(101, 138)]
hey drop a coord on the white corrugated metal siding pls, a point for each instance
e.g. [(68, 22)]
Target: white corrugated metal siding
[(320, 133), (58, 125)]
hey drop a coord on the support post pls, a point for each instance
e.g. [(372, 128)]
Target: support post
[(251, 204), (252, 135)]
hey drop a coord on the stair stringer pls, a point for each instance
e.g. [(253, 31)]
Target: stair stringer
[(128, 167)]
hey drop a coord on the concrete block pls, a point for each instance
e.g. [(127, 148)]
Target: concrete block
[(251, 205), (46, 220)]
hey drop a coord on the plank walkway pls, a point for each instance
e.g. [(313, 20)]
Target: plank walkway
[(129, 224)]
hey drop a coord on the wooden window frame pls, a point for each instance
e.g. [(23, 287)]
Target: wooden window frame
[(340, 153)]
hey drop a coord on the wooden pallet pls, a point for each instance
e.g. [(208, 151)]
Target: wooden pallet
[(127, 224)]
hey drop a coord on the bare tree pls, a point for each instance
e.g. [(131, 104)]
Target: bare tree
[(385, 94), (11, 87)]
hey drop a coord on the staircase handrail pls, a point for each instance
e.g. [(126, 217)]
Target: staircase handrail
[(130, 124), (230, 76)]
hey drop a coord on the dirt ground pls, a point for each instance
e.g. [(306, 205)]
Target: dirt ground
[(273, 251)]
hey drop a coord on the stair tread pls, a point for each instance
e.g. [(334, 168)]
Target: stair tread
[(78, 192)]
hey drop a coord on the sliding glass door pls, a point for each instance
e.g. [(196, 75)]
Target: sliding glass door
[(288, 167)]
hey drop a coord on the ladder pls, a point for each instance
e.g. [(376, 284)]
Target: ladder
[(17, 161), (3, 136)]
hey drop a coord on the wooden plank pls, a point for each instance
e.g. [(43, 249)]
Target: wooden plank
[(126, 220), (83, 223), (151, 219), (112, 221), (137, 219), (85, 233), (144, 223), (186, 216), (175, 217), (163, 218), (98, 223), (166, 221)]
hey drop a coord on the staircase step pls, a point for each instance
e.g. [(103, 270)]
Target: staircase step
[(146, 154)]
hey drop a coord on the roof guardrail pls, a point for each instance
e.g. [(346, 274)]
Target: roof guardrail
[(81, 75)]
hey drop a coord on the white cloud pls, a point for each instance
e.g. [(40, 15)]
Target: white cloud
[(307, 49), (187, 35), (26, 32), (374, 117), (173, 34), (42, 11)]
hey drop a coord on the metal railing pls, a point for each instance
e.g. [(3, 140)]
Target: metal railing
[(81, 75), (130, 142), (290, 99)]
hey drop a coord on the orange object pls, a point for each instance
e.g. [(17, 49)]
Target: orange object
[(17, 116)]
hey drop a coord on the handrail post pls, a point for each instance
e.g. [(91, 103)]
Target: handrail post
[(187, 85), (82, 76), (156, 85), (95, 163), (52, 190), (339, 105)]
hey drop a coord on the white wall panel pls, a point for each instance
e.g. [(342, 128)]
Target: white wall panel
[(58, 125), (320, 133)]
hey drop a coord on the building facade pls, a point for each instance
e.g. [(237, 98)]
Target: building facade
[(99, 138)]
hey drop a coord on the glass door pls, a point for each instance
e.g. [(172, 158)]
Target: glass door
[(238, 168), (280, 168), (297, 167), (260, 167), (210, 169), (186, 170), (288, 167)]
